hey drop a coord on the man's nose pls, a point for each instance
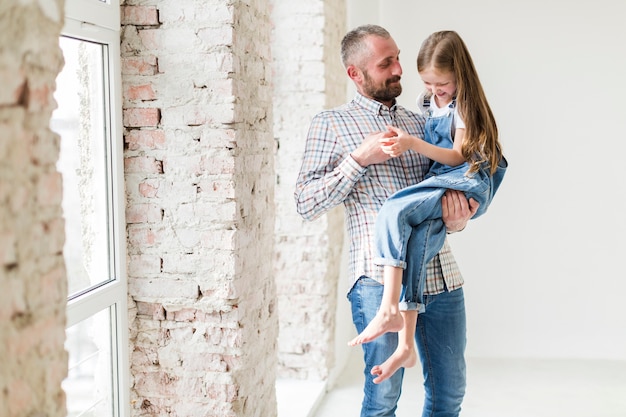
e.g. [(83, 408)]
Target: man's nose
[(397, 68)]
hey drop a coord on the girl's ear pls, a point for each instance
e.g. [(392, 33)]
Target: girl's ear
[(354, 73)]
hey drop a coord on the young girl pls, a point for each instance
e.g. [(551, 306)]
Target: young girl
[(461, 137)]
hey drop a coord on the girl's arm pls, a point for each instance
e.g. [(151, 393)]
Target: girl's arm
[(329, 171), (403, 141)]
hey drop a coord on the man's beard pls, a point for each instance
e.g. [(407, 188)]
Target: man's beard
[(383, 93)]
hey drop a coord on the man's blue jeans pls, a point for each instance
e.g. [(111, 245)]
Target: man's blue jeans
[(441, 338)]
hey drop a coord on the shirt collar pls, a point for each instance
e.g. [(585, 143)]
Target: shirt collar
[(374, 106)]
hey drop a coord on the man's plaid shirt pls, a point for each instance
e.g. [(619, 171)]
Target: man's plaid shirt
[(329, 176)]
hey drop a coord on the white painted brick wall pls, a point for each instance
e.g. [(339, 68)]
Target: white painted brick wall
[(210, 212), (308, 77), (32, 271), (200, 186)]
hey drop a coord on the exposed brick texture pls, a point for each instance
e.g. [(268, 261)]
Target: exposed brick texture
[(32, 273), (308, 77), (199, 170), (217, 97), (140, 15)]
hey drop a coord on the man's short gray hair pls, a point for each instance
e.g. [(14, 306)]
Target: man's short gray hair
[(353, 46)]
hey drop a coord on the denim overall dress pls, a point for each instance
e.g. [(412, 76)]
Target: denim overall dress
[(409, 221)]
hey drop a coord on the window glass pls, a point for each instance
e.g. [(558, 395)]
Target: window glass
[(90, 161), (80, 120), (89, 384)]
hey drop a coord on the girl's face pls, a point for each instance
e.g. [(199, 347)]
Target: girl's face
[(442, 85)]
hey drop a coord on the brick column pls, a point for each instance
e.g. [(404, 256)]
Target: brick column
[(308, 78), (200, 213), (33, 360)]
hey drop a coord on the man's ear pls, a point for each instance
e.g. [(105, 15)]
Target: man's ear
[(354, 73)]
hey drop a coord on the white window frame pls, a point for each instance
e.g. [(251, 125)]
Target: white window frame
[(102, 13), (99, 21)]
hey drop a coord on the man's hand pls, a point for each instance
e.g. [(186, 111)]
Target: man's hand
[(456, 210), (369, 151)]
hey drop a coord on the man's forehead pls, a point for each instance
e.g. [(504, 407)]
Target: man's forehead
[(382, 48)]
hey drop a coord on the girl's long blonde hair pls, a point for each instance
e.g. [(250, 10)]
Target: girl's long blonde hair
[(445, 51)]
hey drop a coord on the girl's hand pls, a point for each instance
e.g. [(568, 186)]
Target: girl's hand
[(391, 147), (399, 143)]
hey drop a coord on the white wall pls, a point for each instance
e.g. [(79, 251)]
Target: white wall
[(544, 268)]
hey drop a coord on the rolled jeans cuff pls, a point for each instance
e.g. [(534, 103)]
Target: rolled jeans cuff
[(411, 306), (390, 262)]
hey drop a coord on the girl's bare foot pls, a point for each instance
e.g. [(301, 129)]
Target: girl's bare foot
[(403, 357), (382, 323)]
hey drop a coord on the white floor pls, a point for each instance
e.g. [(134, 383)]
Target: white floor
[(496, 388)]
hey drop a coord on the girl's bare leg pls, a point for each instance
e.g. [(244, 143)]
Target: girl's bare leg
[(405, 355), (388, 317)]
